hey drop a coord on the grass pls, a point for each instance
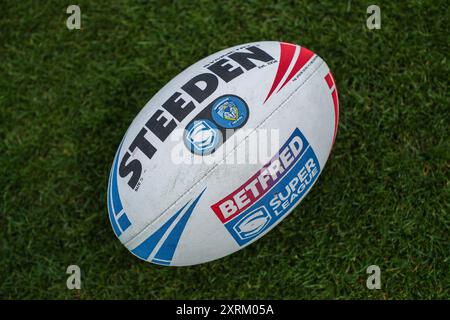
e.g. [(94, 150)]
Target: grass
[(67, 97)]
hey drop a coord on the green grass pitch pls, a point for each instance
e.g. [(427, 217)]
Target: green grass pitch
[(67, 97)]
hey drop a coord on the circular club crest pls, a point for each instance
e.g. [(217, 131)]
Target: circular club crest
[(202, 137), (230, 112)]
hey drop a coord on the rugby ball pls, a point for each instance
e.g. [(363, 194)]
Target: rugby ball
[(223, 153)]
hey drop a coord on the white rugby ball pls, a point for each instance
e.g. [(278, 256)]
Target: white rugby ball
[(223, 153)]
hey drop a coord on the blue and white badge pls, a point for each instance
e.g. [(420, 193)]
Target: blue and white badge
[(202, 137), (230, 112)]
